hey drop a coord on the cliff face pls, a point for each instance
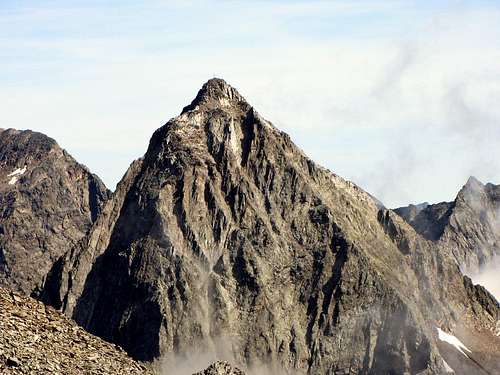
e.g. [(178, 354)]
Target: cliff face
[(47, 203), (226, 231), (469, 227)]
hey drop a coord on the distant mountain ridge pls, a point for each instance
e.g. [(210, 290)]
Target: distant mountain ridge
[(469, 226), (48, 202), (226, 229)]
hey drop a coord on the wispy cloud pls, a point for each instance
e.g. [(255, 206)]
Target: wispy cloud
[(401, 97)]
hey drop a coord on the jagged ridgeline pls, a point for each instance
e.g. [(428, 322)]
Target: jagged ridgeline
[(226, 232), (48, 202), (469, 226)]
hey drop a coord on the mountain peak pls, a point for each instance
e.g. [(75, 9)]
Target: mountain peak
[(217, 83), (473, 181), (41, 175), (472, 188), (215, 93)]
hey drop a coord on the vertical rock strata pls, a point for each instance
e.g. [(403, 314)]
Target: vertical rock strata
[(226, 231)]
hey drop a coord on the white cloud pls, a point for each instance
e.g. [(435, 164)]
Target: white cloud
[(488, 277), (408, 109)]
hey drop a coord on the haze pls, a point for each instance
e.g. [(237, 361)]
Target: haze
[(402, 97)]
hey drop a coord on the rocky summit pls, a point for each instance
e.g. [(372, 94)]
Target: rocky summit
[(48, 202), (227, 238), (469, 226)]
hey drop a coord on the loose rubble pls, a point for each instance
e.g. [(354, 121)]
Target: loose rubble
[(36, 339)]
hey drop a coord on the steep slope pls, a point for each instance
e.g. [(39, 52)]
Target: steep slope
[(469, 226), (36, 339), (66, 279), (428, 220), (48, 202), (226, 232)]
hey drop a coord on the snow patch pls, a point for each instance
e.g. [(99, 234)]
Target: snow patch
[(447, 368), (18, 171), (452, 340), (15, 175)]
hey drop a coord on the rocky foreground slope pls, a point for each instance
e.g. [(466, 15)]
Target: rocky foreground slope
[(469, 226), (225, 237), (35, 339), (48, 202)]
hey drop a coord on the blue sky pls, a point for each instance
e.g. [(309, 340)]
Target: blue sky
[(402, 97)]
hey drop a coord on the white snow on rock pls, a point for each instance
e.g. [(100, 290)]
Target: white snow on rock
[(15, 175), (452, 340), (447, 368), (18, 171)]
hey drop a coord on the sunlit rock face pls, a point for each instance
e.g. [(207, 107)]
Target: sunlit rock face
[(226, 231), (48, 202)]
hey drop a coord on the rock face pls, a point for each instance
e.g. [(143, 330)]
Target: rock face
[(36, 339), (469, 226), (226, 232), (48, 202)]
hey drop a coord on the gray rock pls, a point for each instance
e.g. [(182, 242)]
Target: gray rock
[(221, 368), (47, 203), (469, 226), (36, 339), (226, 230)]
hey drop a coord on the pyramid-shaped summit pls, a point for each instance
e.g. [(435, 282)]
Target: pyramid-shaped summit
[(216, 93), (226, 231)]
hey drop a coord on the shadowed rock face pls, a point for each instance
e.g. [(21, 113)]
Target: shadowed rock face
[(428, 220), (47, 203), (469, 227), (226, 230)]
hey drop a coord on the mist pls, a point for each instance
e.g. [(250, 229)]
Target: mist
[(204, 353), (488, 277)]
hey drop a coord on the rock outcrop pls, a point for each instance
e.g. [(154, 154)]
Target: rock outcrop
[(226, 231), (48, 202), (36, 339), (221, 368), (469, 226)]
